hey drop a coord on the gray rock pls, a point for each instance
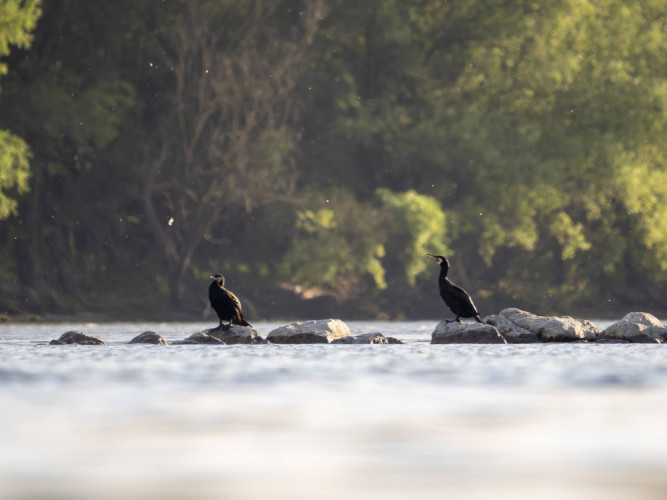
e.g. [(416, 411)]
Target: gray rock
[(321, 331), (642, 318), (552, 328), (658, 332), (199, 338), (512, 332), (636, 327), (365, 338), (148, 338), (236, 334), (76, 338), (454, 332)]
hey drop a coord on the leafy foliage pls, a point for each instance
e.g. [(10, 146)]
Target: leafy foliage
[(14, 170), (324, 148), (336, 247), (17, 20), (414, 224)]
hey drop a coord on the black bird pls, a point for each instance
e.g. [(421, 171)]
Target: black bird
[(225, 303), (456, 298)]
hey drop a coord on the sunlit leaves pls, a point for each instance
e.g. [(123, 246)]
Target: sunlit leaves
[(570, 235), (415, 224), (17, 20), (14, 171), (337, 247), (642, 184)]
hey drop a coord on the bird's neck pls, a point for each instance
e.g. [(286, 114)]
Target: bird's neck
[(444, 269)]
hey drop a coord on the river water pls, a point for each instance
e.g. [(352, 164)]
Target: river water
[(328, 421)]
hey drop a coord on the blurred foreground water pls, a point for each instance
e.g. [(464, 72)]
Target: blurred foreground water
[(328, 421)]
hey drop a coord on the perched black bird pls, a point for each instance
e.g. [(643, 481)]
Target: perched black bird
[(456, 298), (225, 303)]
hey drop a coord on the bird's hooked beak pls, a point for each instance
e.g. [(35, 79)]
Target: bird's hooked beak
[(432, 257)]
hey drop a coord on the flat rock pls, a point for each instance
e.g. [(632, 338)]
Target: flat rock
[(364, 338), (552, 328), (320, 331), (454, 332), (636, 327), (513, 333), (199, 338), (236, 334), (148, 338), (76, 338)]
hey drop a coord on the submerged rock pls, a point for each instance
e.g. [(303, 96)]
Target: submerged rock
[(235, 334), (76, 338), (454, 332), (321, 331), (636, 327), (513, 333), (148, 338), (364, 338), (552, 328), (199, 338)]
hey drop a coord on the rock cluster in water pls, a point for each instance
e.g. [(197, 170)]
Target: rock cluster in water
[(511, 326), (324, 331), (514, 326)]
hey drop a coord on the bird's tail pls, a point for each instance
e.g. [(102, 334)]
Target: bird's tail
[(479, 320), (245, 323)]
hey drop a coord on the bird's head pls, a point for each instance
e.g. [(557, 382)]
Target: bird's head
[(439, 259), (219, 278)]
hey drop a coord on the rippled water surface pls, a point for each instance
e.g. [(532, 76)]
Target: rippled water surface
[(328, 421)]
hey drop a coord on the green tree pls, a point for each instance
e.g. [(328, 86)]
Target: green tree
[(17, 21), (68, 98), (520, 118), (415, 224), (167, 139), (571, 109), (337, 249), (14, 171)]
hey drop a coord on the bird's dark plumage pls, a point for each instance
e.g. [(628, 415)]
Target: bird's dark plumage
[(225, 303), (456, 298)]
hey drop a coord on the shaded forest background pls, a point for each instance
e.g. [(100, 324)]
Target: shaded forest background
[(314, 151)]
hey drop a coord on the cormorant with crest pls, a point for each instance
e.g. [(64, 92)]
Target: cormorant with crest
[(456, 298), (225, 303)]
